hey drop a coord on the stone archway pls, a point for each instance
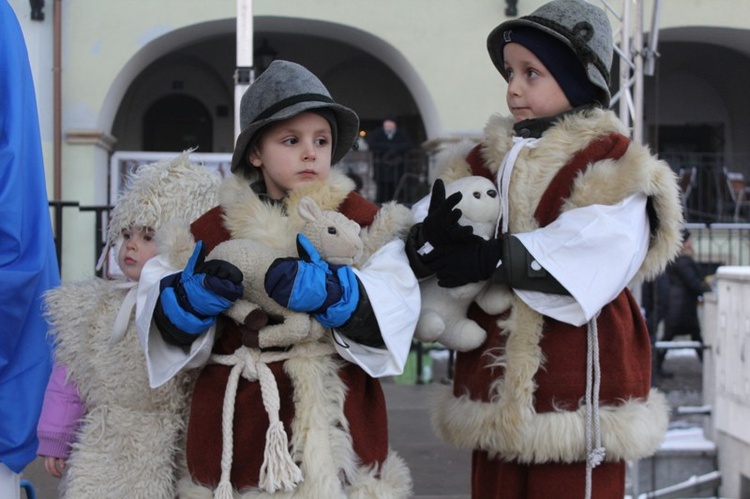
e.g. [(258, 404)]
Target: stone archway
[(359, 68)]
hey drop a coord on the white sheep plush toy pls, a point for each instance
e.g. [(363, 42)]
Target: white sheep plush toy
[(336, 238), (443, 315)]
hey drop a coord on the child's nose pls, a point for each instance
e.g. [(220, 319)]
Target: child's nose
[(514, 87), (309, 153)]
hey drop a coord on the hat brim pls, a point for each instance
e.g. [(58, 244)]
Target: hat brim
[(346, 121), (496, 43)]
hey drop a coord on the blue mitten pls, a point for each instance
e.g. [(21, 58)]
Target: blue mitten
[(309, 284), (192, 299)]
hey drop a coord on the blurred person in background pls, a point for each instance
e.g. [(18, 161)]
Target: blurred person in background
[(388, 144)]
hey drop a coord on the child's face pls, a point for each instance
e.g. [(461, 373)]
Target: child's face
[(532, 90), (294, 152), (138, 247)]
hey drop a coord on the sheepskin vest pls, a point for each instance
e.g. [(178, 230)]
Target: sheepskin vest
[(520, 396), (332, 411), (130, 441)]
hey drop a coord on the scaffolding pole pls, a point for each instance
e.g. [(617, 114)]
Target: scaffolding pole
[(637, 57)]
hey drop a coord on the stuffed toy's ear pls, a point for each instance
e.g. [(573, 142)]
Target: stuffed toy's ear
[(309, 210)]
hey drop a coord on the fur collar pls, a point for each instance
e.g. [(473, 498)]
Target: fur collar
[(571, 133), (604, 182), (248, 216)]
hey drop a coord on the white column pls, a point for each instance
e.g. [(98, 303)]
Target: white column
[(244, 73)]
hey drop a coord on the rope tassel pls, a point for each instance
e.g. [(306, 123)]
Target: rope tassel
[(224, 491), (278, 470)]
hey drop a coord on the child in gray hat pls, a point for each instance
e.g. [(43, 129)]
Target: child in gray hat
[(309, 417), (558, 397)]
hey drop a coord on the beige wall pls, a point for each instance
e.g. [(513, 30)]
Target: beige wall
[(436, 46)]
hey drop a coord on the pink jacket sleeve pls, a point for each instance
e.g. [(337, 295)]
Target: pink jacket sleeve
[(61, 413)]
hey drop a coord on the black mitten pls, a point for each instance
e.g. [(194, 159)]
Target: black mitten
[(441, 226), (472, 260)]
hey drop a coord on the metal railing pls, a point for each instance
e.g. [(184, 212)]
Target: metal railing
[(102, 217), (718, 241), (718, 244), (410, 179), (709, 200)]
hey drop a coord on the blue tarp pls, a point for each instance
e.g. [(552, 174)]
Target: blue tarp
[(28, 262)]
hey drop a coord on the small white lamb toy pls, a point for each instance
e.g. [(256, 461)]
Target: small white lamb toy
[(443, 316)]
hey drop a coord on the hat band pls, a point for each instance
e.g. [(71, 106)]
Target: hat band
[(290, 101)]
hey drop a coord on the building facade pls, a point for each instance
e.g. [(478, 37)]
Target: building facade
[(159, 76)]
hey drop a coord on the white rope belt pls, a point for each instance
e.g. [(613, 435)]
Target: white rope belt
[(594, 450), (279, 471)]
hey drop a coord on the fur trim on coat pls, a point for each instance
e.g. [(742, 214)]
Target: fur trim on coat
[(511, 408), (391, 481), (247, 216)]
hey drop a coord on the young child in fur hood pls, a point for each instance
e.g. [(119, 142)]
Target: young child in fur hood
[(271, 414), (558, 397), (100, 419)]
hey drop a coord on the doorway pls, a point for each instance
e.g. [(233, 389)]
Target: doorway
[(175, 123)]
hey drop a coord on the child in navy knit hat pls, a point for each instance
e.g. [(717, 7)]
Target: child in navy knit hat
[(558, 397), (571, 39)]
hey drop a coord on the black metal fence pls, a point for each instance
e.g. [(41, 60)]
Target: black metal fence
[(102, 215), (721, 230), (410, 180), (715, 192)]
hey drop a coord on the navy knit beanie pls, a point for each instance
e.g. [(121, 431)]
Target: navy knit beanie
[(560, 60)]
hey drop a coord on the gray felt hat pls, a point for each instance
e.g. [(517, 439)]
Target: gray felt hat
[(578, 24), (284, 90)]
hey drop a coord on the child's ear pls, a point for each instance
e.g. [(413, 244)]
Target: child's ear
[(254, 157)]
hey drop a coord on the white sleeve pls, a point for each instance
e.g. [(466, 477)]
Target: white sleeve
[(594, 252), (394, 296), (164, 360)]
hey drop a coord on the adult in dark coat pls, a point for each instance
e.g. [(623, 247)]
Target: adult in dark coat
[(655, 302), (686, 286), (388, 144)]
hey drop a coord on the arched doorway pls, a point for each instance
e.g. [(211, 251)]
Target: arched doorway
[(360, 70), (176, 123)]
